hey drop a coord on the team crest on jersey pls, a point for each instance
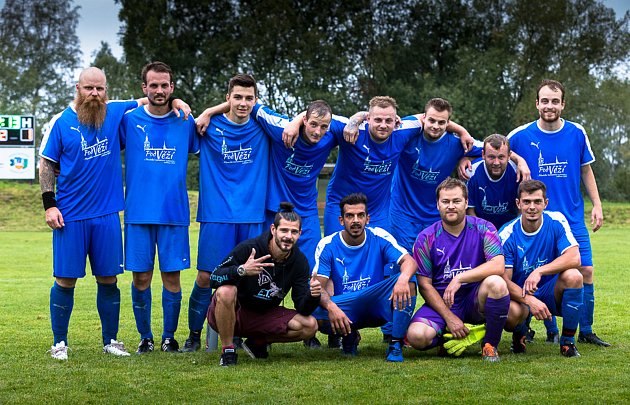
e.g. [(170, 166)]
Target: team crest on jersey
[(382, 168), (450, 272), (97, 149), (528, 268), (550, 169), (427, 176), (302, 169), (241, 155), (163, 154), (500, 208), (355, 285)]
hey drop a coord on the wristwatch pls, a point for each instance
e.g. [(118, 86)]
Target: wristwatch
[(241, 271)]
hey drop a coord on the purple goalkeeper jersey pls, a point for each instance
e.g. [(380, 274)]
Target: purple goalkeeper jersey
[(441, 256)]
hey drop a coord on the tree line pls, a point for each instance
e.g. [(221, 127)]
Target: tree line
[(485, 56)]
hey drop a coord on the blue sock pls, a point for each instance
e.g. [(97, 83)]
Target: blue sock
[(141, 301), (61, 303), (586, 316), (571, 309), (198, 307), (108, 305), (551, 325), (171, 304), (401, 320), (496, 311)]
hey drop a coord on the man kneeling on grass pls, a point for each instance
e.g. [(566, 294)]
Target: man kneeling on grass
[(252, 282), (542, 258)]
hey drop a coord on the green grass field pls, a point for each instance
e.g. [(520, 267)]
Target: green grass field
[(291, 374)]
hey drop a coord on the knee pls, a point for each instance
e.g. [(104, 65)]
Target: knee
[(106, 279), (203, 279), (497, 288), (66, 282), (309, 327), (587, 274), (420, 336), (142, 280), (226, 295), (572, 278), (171, 281), (516, 315)]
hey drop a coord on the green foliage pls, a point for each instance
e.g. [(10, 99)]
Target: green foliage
[(38, 52)]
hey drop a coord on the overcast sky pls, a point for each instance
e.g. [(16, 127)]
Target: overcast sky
[(99, 22)]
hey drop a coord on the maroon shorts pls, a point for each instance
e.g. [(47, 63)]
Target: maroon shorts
[(274, 321)]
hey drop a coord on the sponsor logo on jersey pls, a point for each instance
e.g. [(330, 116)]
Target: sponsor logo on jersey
[(450, 272), (500, 208), (550, 168), (528, 268), (98, 149), (302, 169), (383, 168), (241, 155)]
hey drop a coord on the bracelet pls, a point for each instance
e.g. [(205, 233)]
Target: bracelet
[(170, 102), (48, 198)]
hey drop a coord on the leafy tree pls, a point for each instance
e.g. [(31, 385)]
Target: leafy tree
[(39, 50), (197, 38), (122, 84)]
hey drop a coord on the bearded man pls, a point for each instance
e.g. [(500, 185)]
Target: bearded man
[(82, 143)]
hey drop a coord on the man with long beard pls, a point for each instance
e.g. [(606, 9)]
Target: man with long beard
[(82, 143)]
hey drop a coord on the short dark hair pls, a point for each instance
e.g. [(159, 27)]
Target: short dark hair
[(243, 80), (157, 66), (439, 104), (318, 107), (353, 199), (450, 183), (383, 102), (496, 141), (287, 213), (553, 85), (531, 186)]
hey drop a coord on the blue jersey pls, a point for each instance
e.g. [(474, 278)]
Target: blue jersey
[(525, 252), (441, 256), (423, 165), (556, 158), (233, 172), (294, 171), (353, 268), (156, 159), (493, 200), (90, 180), (368, 167)]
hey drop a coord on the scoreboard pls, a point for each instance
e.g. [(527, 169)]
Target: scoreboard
[(17, 130), (17, 147)]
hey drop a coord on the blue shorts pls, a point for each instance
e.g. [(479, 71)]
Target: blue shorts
[(366, 308), (545, 293), (99, 238), (172, 245), (584, 240), (406, 232), (466, 307), (310, 237), (216, 241)]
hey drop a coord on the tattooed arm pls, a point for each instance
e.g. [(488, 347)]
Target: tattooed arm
[(54, 219)]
